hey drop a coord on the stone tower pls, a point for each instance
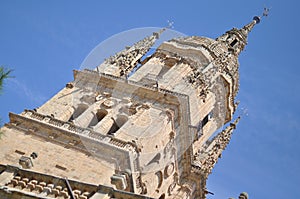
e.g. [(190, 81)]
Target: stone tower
[(134, 127)]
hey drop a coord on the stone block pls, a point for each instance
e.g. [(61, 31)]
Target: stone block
[(17, 178), (55, 192), (59, 188), (22, 184), (14, 182), (65, 194), (43, 184), (39, 188), (50, 186), (26, 180), (76, 191), (35, 182), (48, 190), (30, 186), (86, 193)]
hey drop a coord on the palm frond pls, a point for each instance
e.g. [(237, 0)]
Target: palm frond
[(4, 74)]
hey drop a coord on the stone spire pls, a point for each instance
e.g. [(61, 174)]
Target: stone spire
[(206, 159), (128, 58), (236, 39), (224, 51), (247, 28), (227, 48)]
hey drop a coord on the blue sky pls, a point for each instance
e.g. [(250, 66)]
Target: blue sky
[(43, 41)]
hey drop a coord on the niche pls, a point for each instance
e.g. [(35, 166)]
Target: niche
[(207, 118), (78, 111), (98, 117), (118, 123), (169, 62), (87, 99), (159, 178), (162, 196), (232, 44)]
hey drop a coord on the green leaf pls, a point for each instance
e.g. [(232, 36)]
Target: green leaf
[(4, 74)]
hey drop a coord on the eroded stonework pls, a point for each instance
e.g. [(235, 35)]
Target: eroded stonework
[(135, 127)]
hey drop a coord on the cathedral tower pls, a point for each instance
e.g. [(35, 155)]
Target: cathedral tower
[(135, 127)]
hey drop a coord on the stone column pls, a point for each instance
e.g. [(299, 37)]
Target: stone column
[(86, 117), (104, 125)]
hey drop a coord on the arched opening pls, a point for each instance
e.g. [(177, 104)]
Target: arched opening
[(78, 111), (121, 120), (169, 62), (162, 196), (232, 44), (160, 178), (98, 117), (155, 159), (101, 114), (118, 123), (87, 99)]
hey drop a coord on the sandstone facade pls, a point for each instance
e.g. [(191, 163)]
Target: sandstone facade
[(134, 127)]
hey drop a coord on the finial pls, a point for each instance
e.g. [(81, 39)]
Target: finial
[(256, 20), (170, 24), (264, 14), (244, 195)]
